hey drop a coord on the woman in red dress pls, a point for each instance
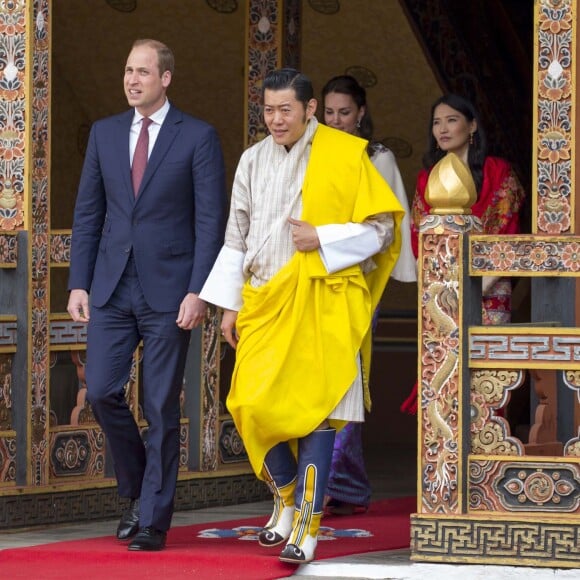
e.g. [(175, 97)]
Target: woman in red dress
[(455, 128)]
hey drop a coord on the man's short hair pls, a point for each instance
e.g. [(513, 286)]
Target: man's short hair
[(165, 57), (289, 78)]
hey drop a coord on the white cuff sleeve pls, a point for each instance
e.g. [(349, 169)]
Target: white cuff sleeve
[(343, 245), (223, 286)]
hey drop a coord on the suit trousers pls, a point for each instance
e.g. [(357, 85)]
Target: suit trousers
[(144, 469)]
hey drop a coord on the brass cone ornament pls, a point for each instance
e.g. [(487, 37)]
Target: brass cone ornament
[(450, 188)]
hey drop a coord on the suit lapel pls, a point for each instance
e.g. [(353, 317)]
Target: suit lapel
[(167, 134), (122, 141)]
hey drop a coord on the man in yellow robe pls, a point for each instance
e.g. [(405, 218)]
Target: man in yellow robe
[(312, 236)]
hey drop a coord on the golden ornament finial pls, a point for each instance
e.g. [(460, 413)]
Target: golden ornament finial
[(450, 188)]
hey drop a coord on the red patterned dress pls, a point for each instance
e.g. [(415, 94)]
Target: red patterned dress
[(498, 206)]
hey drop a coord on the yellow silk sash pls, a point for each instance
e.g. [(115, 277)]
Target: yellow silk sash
[(300, 332)]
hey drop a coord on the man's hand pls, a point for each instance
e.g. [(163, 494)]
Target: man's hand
[(192, 311), (304, 235), (78, 305), (228, 327)]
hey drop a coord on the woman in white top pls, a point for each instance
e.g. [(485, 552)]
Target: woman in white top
[(346, 109)]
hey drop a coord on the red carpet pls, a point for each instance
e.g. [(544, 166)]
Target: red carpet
[(211, 550)]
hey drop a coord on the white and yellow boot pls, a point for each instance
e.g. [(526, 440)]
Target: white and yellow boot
[(280, 475), (314, 458)]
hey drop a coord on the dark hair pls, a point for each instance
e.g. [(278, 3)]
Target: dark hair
[(289, 78), (477, 150), (165, 58), (348, 85)]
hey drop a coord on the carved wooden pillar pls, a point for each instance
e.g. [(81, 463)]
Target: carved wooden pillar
[(553, 179), (443, 408), (24, 234), (38, 244), (273, 40), (481, 498)]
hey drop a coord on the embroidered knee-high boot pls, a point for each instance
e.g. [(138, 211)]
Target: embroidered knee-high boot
[(280, 475), (314, 457)]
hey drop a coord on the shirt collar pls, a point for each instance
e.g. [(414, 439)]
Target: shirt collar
[(157, 117)]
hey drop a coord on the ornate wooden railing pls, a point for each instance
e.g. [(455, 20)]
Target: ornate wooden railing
[(485, 495)]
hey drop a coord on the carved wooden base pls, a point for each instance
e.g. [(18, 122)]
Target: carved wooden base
[(83, 505), (512, 541)]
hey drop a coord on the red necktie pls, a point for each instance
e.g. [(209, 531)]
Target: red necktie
[(140, 155)]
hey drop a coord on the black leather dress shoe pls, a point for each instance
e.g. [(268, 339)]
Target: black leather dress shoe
[(129, 524), (148, 539)]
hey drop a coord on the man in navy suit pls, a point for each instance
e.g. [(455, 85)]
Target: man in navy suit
[(144, 252)]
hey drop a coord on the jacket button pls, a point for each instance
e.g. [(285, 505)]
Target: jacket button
[(127, 250)]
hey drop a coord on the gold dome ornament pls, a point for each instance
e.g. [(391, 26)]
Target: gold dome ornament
[(450, 188)]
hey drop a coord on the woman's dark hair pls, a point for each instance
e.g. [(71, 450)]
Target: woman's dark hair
[(289, 78), (348, 85), (477, 150)]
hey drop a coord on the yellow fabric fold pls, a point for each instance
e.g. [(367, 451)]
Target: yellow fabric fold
[(300, 333)]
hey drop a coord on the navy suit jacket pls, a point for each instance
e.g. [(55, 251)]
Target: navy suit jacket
[(174, 227)]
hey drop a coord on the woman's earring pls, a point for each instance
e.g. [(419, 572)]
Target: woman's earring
[(358, 124), (471, 138)]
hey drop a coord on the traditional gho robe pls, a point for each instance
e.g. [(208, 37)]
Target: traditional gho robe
[(304, 317)]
